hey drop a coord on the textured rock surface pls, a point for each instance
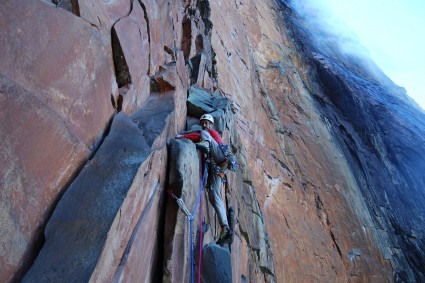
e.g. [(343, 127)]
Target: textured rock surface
[(381, 134), (133, 39), (104, 14), (95, 218), (56, 103), (23, 201), (251, 253), (216, 264), (322, 224), (184, 183), (330, 189), (156, 41)]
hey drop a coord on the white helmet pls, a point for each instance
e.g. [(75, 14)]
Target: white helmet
[(207, 117)]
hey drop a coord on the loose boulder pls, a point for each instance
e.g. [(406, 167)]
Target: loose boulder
[(216, 264)]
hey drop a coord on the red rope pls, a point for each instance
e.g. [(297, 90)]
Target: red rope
[(202, 172), (200, 225)]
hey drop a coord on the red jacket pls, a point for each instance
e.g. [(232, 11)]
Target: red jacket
[(196, 136)]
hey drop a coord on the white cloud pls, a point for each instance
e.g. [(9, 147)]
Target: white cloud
[(391, 30)]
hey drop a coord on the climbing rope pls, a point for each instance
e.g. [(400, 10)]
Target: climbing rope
[(192, 253), (190, 217), (201, 161)]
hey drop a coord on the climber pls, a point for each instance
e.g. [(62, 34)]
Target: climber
[(209, 141)]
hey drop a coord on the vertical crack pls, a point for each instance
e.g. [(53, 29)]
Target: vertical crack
[(69, 5), (187, 38), (199, 43), (205, 10), (148, 32), (119, 103), (336, 244), (122, 72)]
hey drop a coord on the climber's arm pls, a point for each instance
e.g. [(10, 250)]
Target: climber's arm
[(194, 136)]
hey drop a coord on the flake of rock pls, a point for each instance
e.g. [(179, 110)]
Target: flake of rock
[(166, 78), (184, 161), (201, 101), (156, 43), (94, 220), (216, 264), (104, 14), (133, 37)]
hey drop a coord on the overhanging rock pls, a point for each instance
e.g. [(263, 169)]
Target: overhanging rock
[(201, 101)]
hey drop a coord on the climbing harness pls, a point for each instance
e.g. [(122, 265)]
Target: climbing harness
[(218, 169), (231, 161)]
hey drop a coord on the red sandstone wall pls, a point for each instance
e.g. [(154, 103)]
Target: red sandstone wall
[(315, 215), (59, 74)]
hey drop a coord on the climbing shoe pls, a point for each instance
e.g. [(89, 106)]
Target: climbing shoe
[(203, 146), (225, 236)]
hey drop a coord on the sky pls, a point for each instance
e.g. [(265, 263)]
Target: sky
[(392, 31)]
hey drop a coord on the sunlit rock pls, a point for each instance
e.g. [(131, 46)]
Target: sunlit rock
[(57, 83)]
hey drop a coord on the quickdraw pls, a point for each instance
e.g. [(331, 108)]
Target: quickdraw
[(189, 215), (181, 204)]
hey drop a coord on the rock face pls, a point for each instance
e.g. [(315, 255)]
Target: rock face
[(216, 264), (327, 220), (251, 256), (381, 135), (92, 93), (184, 183), (56, 102), (92, 224)]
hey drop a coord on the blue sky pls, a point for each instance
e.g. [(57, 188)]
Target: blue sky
[(393, 31)]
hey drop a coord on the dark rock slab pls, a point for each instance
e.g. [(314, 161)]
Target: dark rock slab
[(151, 119), (216, 264), (184, 183), (77, 231), (140, 213), (201, 101), (78, 228)]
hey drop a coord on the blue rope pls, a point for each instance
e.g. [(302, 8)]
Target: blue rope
[(192, 253), (191, 249)]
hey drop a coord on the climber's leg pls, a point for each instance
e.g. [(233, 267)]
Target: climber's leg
[(214, 194), (215, 149)]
